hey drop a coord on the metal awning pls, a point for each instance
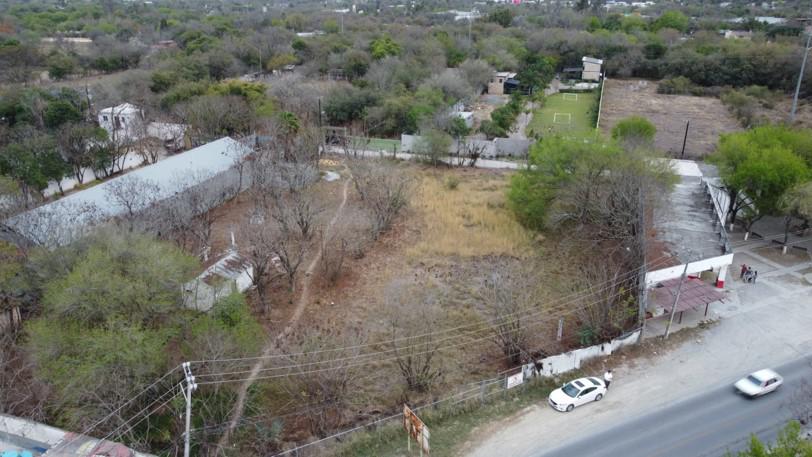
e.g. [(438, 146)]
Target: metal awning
[(695, 293)]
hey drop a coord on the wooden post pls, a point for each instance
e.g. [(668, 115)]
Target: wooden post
[(676, 301)]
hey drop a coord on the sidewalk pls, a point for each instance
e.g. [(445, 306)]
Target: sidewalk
[(759, 325)]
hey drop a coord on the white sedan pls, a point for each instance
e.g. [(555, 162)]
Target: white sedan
[(576, 393), (759, 383)]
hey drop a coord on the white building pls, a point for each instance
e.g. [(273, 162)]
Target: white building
[(125, 121), (592, 69), (209, 167), (230, 274)]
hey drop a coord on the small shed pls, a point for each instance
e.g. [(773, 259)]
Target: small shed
[(592, 69), (497, 85)]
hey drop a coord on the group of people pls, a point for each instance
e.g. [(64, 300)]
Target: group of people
[(748, 274)]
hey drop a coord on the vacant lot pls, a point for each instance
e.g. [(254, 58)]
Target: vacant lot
[(570, 114), (669, 113)]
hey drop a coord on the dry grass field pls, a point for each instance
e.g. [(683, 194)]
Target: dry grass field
[(708, 116), (465, 214)]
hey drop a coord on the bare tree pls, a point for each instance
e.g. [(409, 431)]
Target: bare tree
[(510, 296), (334, 252), (469, 152), (190, 215), (384, 191), (134, 195), (20, 392), (326, 381), (148, 148), (608, 300), (212, 116), (414, 313), (256, 242)]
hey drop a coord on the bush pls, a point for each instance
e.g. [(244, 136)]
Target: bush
[(452, 182), (634, 129)]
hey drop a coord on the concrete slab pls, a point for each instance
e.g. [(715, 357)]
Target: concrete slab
[(686, 223)]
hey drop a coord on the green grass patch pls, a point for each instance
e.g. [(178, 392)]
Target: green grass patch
[(383, 144), (450, 426), (570, 114)]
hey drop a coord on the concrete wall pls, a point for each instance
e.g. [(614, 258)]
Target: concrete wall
[(717, 264), (572, 360), (499, 147)]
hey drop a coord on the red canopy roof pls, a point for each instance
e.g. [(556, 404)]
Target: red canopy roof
[(694, 293)]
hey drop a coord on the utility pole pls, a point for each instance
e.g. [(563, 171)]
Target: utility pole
[(800, 78), (685, 139), (187, 387), (676, 301), (643, 289)]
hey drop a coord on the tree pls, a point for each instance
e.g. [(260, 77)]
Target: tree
[(77, 143), (414, 315), (796, 203), (134, 195), (502, 16), (510, 296), (384, 46), (60, 65), (328, 382), (634, 132), (347, 104), (33, 161), (740, 153), (433, 146), (790, 443), (384, 191), (108, 309), (60, 112), (672, 20), (213, 116)]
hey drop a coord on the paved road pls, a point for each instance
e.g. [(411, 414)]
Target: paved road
[(702, 426), (759, 325)]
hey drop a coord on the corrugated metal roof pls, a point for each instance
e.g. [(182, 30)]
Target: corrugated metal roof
[(173, 175), (592, 60)]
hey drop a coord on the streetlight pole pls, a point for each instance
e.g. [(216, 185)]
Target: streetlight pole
[(800, 77)]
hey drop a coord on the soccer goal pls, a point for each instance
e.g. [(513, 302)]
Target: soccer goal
[(562, 118), (571, 97)]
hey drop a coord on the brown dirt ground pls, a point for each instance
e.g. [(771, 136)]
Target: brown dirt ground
[(669, 113)]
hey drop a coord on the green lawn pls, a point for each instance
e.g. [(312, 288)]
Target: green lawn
[(569, 114), (383, 144)]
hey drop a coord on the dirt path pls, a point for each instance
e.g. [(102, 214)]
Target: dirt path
[(301, 304)]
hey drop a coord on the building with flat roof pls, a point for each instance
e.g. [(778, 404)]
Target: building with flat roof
[(26, 438)]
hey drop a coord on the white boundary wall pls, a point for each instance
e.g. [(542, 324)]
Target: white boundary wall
[(572, 360), (718, 264)]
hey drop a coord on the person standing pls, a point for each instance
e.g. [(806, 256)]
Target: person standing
[(755, 275), (744, 270), (607, 378)]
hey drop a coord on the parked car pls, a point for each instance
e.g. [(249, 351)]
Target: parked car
[(576, 393), (759, 383)]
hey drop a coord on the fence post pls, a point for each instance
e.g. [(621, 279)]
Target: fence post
[(481, 392)]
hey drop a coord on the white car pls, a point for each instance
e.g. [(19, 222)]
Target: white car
[(759, 383), (576, 393)]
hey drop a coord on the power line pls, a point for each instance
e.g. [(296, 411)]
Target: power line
[(88, 429), (564, 300), (352, 365)]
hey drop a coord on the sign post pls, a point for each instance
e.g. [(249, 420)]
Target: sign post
[(416, 430)]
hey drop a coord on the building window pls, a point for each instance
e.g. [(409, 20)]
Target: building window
[(105, 118)]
